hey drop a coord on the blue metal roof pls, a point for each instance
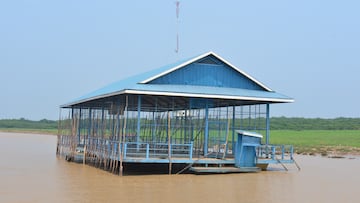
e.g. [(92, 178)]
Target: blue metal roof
[(159, 82)]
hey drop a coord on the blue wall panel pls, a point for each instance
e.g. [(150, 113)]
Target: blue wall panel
[(203, 74)]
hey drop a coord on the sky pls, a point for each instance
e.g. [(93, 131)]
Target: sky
[(52, 52)]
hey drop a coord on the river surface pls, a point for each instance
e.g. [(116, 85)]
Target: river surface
[(31, 172)]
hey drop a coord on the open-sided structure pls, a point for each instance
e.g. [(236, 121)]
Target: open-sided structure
[(187, 113)]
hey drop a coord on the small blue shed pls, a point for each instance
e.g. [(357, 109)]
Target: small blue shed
[(247, 142)]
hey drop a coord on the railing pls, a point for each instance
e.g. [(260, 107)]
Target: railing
[(275, 152), (157, 150), (106, 148)]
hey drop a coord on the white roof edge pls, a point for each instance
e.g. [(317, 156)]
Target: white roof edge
[(202, 56), (199, 95)]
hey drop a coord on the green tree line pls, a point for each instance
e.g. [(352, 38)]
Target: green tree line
[(284, 123), (23, 123), (276, 123)]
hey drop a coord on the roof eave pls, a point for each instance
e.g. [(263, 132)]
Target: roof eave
[(180, 94), (92, 98), (215, 96)]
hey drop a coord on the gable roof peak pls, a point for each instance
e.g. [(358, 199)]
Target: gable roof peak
[(197, 58)]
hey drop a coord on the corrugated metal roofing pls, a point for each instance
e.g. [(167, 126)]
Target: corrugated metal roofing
[(139, 84)]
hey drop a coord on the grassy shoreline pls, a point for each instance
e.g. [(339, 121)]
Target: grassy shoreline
[(322, 142)]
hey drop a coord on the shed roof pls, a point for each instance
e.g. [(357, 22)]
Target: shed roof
[(204, 76)]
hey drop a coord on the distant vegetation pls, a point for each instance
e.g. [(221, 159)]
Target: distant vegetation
[(24, 125), (283, 123), (276, 123)]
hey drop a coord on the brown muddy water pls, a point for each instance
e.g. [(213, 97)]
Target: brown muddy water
[(31, 172)]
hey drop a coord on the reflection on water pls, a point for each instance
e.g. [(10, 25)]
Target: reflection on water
[(31, 172)]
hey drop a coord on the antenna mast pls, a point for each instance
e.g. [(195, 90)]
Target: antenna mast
[(177, 3)]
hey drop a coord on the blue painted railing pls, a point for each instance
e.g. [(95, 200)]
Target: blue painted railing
[(146, 151), (141, 150), (275, 153)]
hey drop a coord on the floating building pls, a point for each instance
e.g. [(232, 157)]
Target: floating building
[(202, 114)]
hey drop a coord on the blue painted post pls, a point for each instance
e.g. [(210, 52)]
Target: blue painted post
[(102, 122), (89, 126), (233, 131), (138, 124), (206, 128), (125, 148), (79, 126), (119, 151), (267, 124), (147, 150), (191, 151), (273, 152), (115, 148), (109, 149), (191, 124), (227, 131), (95, 129), (113, 127), (282, 151), (154, 121), (117, 135)]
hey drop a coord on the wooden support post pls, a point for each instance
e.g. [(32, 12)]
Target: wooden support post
[(84, 156), (79, 127), (58, 134), (123, 138)]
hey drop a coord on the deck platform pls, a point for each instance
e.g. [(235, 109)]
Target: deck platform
[(205, 170), (104, 151)]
